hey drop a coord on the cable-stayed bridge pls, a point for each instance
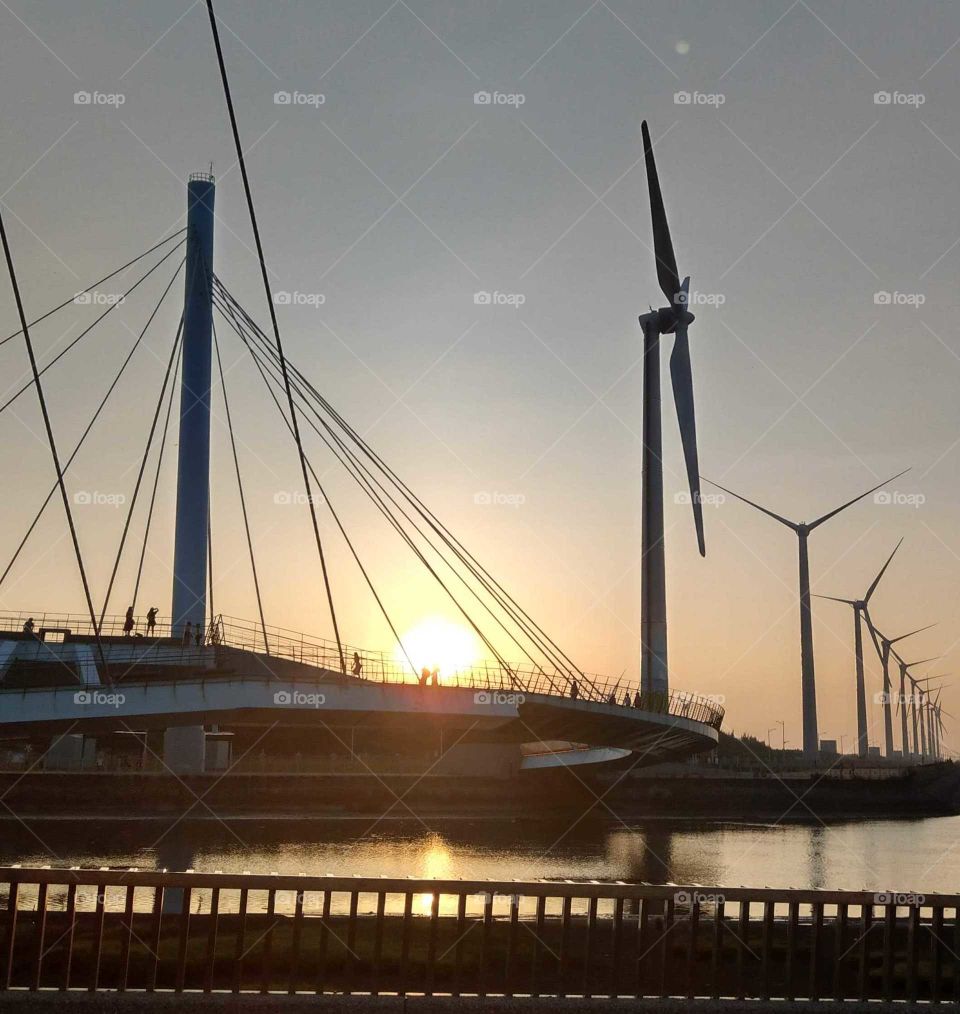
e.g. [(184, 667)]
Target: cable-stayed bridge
[(194, 669)]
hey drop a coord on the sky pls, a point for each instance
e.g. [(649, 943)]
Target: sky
[(809, 154)]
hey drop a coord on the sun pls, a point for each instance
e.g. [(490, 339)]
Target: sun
[(438, 643)]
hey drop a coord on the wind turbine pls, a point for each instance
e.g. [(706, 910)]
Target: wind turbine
[(675, 319), (859, 612), (938, 723), (811, 743), (913, 709), (923, 692), (905, 667), (935, 721), (884, 646)]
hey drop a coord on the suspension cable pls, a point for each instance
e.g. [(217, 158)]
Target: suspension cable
[(529, 628), (404, 535), (85, 332), (156, 478), (89, 427), (363, 481), (143, 465), (93, 285), (243, 499), (50, 439), (330, 507), (276, 327), (210, 561)]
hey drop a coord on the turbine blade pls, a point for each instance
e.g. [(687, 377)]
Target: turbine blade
[(910, 665), (830, 598), (876, 580), (912, 632), (682, 378), (763, 510), (667, 274), (850, 503), (874, 633)]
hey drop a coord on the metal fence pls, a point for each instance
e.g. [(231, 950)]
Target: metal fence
[(142, 650), (202, 932)]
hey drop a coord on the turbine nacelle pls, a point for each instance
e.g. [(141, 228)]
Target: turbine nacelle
[(668, 318)]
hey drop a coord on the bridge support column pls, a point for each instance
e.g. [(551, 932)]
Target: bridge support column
[(193, 468), (184, 749), (73, 752)]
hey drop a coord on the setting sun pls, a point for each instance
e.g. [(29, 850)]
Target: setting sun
[(438, 643)]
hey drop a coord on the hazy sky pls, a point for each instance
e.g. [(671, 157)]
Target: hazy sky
[(794, 197)]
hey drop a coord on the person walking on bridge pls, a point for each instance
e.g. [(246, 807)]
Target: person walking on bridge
[(357, 664), (187, 634), (128, 622), (151, 620)]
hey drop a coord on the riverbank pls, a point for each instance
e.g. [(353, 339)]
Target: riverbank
[(678, 794)]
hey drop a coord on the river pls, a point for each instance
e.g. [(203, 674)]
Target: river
[(895, 855)]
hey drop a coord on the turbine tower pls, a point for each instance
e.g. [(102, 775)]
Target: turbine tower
[(860, 611), (673, 319), (193, 466), (884, 646), (811, 741)]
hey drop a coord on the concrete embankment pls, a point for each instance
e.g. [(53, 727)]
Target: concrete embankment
[(928, 791)]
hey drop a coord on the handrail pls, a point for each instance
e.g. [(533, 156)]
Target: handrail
[(202, 932), (377, 666)]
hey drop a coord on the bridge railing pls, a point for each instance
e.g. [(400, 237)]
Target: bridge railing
[(136, 652), (191, 932)]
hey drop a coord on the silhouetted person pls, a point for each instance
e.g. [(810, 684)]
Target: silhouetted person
[(151, 619), (198, 636), (612, 699), (357, 664), (128, 622), (28, 626), (187, 634), (636, 699), (435, 675), (626, 698), (574, 689), (424, 676)]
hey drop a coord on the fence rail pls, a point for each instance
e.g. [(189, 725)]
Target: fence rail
[(202, 932), (143, 648)]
